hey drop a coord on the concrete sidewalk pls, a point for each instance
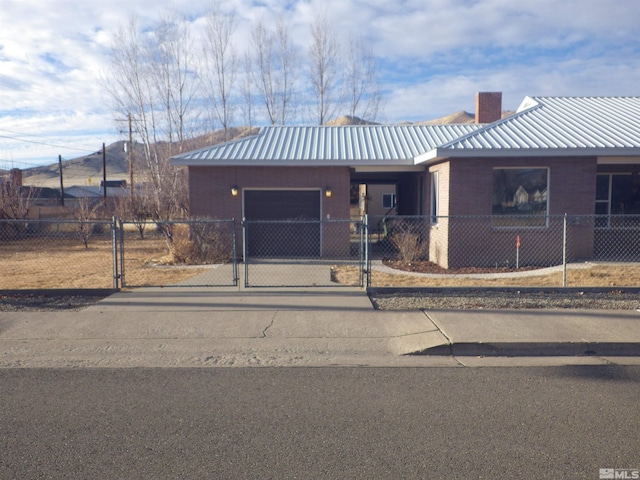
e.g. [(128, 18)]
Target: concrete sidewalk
[(202, 327)]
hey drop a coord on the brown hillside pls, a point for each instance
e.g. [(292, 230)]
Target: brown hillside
[(87, 170)]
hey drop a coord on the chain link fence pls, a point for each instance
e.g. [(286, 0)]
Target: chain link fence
[(509, 251), (301, 253), (58, 254), (396, 251), (184, 253)]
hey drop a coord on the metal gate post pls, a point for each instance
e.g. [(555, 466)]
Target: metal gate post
[(122, 282), (234, 252), (114, 245), (367, 260), (564, 251), (245, 231)]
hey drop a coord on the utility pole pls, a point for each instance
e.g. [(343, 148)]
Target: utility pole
[(61, 184)]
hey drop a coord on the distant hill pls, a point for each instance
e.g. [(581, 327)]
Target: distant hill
[(456, 118), (348, 120), (87, 170)]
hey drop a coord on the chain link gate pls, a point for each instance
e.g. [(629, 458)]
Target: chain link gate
[(190, 253), (304, 253)]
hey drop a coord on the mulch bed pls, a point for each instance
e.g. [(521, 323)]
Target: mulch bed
[(423, 266)]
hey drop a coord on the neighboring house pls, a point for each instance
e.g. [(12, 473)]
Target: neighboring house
[(556, 155)]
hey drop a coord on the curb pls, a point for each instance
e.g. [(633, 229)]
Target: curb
[(546, 349)]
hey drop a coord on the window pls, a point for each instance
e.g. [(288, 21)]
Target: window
[(520, 197), (388, 200), (434, 205), (616, 194)]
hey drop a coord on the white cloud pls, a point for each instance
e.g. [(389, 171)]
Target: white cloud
[(434, 54)]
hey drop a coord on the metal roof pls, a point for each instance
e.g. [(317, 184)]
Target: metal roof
[(555, 126), (542, 126), (351, 145)]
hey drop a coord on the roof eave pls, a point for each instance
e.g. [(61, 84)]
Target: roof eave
[(442, 153), (289, 163)]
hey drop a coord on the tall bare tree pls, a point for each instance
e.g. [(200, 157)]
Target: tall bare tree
[(248, 95), (222, 64), (363, 93), (153, 78), (324, 70), (274, 59), (177, 83)]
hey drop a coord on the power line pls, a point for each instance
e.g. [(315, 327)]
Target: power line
[(47, 144)]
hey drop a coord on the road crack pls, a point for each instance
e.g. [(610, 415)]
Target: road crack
[(264, 332)]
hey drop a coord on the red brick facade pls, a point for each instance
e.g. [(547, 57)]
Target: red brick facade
[(210, 188), (488, 107), (466, 190), (210, 196)]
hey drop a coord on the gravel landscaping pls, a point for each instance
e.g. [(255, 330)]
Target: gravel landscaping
[(431, 299), (48, 302), (506, 299)]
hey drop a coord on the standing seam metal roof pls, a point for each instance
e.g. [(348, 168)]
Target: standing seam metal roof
[(552, 125), (560, 123), (355, 143)]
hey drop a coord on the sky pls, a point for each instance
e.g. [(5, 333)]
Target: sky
[(432, 57)]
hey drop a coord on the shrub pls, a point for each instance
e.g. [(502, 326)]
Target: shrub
[(407, 239), (202, 243)]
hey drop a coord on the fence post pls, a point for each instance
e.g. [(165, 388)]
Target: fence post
[(121, 240), (245, 235), (367, 265), (114, 243), (234, 252), (564, 251)]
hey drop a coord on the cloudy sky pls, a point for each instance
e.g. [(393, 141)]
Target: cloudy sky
[(433, 55)]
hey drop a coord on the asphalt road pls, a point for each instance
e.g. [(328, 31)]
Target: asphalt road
[(410, 423)]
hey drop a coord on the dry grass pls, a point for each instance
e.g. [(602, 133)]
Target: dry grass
[(63, 262), (596, 276)]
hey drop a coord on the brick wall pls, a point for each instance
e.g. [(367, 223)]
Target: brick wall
[(210, 187), (488, 107), (467, 184), (210, 195)]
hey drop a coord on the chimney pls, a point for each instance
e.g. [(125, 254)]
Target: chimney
[(15, 177), (488, 107)]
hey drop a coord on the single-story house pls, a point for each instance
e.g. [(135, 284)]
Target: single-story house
[(555, 155)]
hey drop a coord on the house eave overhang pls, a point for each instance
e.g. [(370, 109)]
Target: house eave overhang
[(291, 163), (439, 154)]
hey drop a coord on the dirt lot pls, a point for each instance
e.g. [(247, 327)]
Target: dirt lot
[(64, 262)]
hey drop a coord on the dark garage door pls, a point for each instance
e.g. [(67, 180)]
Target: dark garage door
[(282, 223)]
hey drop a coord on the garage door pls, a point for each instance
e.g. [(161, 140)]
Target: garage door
[(282, 223)]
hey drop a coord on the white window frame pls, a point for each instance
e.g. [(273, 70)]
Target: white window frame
[(392, 197), (434, 203)]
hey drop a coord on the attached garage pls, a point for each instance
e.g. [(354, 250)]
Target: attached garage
[(283, 223)]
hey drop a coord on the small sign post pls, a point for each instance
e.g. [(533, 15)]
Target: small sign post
[(517, 251)]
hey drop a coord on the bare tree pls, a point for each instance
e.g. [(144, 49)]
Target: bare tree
[(363, 93), (247, 93), (84, 213), (287, 62), (16, 200), (176, 79), (324, 69), (274, 59), (153, 78), (222, 64)]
